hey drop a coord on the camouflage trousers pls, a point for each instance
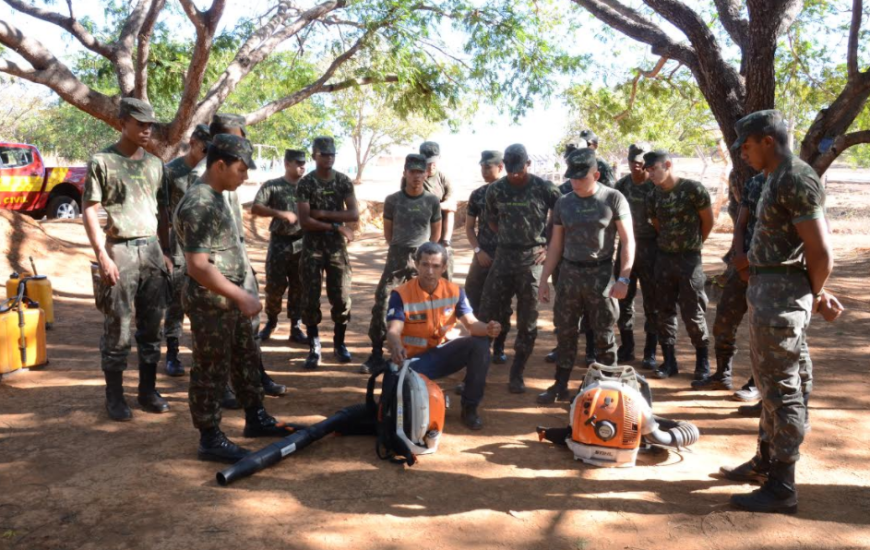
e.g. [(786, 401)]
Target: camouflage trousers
[(642, 271), (282, 272), (779, 315), (730, 311), (223, 348), (584, 321), (474, 282), (142, 291), (174, 320), (503, 282), (399, 268), (679, 280), (336, 264), (583, 292)]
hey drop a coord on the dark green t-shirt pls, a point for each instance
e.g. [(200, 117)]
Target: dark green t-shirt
[(412, 217), (280, 194), (638, 196), (590, 223), (331, 195), (677, 211)]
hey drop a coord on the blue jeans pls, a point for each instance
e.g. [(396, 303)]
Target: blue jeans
[(471, 352)]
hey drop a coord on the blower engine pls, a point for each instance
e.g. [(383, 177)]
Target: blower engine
[(611, 418)]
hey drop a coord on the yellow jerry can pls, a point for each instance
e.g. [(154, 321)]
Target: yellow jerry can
[(37, 288), (22, 336)]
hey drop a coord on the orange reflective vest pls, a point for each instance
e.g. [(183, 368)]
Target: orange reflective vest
[(428, 317)]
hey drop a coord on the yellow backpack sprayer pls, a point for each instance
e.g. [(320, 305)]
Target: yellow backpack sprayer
[(22, 332)]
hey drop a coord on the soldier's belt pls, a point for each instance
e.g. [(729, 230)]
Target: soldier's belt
[(777, 270), (133, 242), (286, 238), (593, 263), (519, 246)]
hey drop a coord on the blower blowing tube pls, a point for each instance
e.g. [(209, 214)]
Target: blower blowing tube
[(671, 433), (278, 451)]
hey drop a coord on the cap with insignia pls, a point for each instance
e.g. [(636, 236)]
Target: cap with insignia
[(235, 146), (430, 150), (589, 136), (652, 157), (415, 162), (324, 144), (580, 162), (758, 123), (515, 157), (201, 132), (491, 158), (138, 110), (291, 155), (637, 150)]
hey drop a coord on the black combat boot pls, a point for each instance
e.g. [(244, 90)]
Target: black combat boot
[(259, 423), (517, 384), (116, 405), (669, 362), (375, 362), (778, 495), (625, 353), (173, 364), (470, 417), (702, 364), (215, 447), (229, 401), (590, 348), (459, 389), (649, 351), (559, 390), (721, 379), (752, 411), (338, 347), (313, 359), (270, 387), (149, 398), (297, 335), (498, 354), (552, 357), (756, 470), (268, 329)]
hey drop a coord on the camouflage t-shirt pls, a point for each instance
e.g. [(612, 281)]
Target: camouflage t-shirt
[(637, 196), (677, 213), (486, 237), (280, 194), (792, 194), (749, 201), (589, 222), (204, 222), (331, 195), (127, 190), (412, 217), (177, 178), (520, 212)]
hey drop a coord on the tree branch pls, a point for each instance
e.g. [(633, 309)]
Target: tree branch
[(854, 32), (640, 72), (69, 24), (737, 26), (143, 50), (123, 47)]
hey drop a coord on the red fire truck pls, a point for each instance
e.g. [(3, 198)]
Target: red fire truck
[(27, 185)]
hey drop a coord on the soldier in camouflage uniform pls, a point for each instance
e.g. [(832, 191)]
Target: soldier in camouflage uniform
[(637, 188), (218, 307), (517, 208), (133, 273), (483, 241), (326, 201), (439, 185), (277, 199), (585, 224), (412, 216), (790, 260), (178, 174), (680, 211)]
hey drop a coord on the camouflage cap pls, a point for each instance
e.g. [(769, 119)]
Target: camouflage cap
[(580, 162), (589, 136), (229, 120), (637, 150), (137, 109), (415, 162), (202, 133), (234, 146), (491, 158), (659, 155), (294, 155), (324, 144), (430, 150), (757, 123), (515, 157), (573, 145)]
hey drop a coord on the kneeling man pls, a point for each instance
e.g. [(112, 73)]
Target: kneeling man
[(422, 312)]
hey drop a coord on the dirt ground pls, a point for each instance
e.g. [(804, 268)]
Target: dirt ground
[(70, 478)]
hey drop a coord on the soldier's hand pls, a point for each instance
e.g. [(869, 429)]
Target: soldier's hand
[(493, 329), (398, 356), (167, 261), (347, 232), (108, 270), (744, 274), (541, 255), (249, 305), (289, 217), (619, 290), (740, 261), (830, 307), (484, 259), (544, 292)]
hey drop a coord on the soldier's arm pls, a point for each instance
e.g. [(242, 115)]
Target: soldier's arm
[(626, 239), (349, 214), (388, 230), (554, 253), (435, 231), (817, 250), (706, 216), (108, 270), (470, 222), (307, 222), (739, 255), (206, 274)]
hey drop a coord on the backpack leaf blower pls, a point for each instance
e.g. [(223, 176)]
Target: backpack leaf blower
[(611, 418)]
